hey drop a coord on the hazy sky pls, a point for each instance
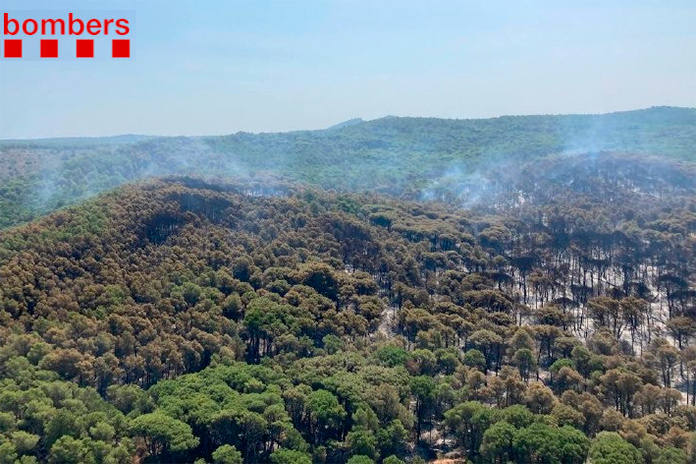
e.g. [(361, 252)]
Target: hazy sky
[(217, 67)]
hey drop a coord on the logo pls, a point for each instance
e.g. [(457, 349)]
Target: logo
[(33, 35)]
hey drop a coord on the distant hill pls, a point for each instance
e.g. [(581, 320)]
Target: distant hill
[(76, 141), (350, 122), (404, 157)]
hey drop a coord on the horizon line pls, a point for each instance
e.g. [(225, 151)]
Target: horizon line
[(358, 120)]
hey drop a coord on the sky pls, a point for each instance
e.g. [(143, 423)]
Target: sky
[(207, 67)]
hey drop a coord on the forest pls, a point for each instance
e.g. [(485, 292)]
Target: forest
[(404, 290), (402, 157)]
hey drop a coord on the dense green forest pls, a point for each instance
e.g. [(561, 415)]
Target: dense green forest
[(396, 156)]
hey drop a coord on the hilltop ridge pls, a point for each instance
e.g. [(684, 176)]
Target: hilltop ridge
[(403, 157)]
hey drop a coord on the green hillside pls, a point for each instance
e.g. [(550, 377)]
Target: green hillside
[(403, 157)]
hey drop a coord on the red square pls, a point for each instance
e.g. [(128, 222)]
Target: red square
[(120, 48), (49, 48), (84, 48), (13, 48)]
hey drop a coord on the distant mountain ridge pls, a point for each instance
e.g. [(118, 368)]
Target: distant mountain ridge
[(674, 114), (98, 140), (349, 122), (400, 156)]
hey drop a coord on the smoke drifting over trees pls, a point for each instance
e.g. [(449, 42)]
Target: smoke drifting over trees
[(383, 291), (405, 157)]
